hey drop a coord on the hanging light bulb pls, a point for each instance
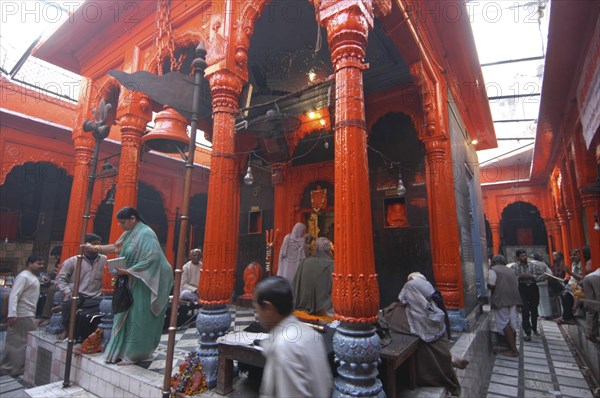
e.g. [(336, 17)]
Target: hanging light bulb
[(401, 189), (248, 178), (326, 144), (596, 225)]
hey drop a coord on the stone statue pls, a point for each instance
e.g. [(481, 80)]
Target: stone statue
[(252, 275)]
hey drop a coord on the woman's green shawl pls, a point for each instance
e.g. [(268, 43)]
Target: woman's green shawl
[(136, 332), (146, 262)]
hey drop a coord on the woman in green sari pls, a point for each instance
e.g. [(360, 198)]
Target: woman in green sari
[(136, 331)]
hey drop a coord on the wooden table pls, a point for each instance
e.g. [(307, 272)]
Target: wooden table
[(239, 348), (229, 351), (402, 348)]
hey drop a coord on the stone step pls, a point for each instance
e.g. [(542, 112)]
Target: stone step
[(56, 390)]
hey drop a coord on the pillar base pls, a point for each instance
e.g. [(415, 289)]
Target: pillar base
[(460, 321), (357, 348), (106, 323), (212, 323)]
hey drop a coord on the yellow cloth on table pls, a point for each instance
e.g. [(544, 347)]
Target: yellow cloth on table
[(304, 316)]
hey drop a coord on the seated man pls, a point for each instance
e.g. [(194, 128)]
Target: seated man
[(313, 280), (191, 277), (90, 282), (417, 314)]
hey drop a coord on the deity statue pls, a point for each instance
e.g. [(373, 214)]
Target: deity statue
[(396, 215), (252, 275)]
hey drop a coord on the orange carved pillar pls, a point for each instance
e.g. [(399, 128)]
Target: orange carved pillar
[(355, 287), (84, 144), (556, 233), (133, 119), (222, 221), (495, 227), (566, 235), (549, 238), (591, 206), (445, 249)]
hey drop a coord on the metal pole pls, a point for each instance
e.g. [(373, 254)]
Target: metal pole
[(199, 65), (75, 291)]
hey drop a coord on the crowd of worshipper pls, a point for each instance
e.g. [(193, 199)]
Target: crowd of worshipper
[(531, 286), (301, 292), (302, 287)]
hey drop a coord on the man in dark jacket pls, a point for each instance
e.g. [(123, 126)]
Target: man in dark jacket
[(503, 283)]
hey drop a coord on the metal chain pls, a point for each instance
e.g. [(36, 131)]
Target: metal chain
[(164, 37)]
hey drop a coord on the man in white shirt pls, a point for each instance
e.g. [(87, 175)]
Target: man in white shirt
[(21, 313), (296, 358), (190, 278), (90, 281)]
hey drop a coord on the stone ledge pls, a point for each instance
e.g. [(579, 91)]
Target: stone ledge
[(476, 347), (588, 352), (56, 390)]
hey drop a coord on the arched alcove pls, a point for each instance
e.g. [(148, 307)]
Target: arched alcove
[(522, 225), (150, 204), (151, 207), (33, 210), (103, 218)]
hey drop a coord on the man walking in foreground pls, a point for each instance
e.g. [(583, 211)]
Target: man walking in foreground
[(503, 283), (296, 364), (21, 313)]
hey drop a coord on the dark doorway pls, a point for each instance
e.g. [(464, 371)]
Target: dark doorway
[(522, 225), (33, 209)]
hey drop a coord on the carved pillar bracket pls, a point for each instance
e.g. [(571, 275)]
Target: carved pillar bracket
[(222, 221), (355, 290)]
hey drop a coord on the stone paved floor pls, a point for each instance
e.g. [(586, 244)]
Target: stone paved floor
[(11, 387), (545, 368)]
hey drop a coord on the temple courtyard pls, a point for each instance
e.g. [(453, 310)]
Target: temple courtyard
[(558, 363)]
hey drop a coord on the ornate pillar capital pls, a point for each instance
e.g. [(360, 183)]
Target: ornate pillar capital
[(347, 24), (134, 105), (225, 89), (436, 149)]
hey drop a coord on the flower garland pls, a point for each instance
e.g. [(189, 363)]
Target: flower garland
[(190, 379), (323, 198)]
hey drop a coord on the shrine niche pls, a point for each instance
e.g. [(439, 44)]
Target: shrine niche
[(399, 206), (317, 209)]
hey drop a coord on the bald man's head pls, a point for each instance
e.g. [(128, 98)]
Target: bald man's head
[(195, 256)]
